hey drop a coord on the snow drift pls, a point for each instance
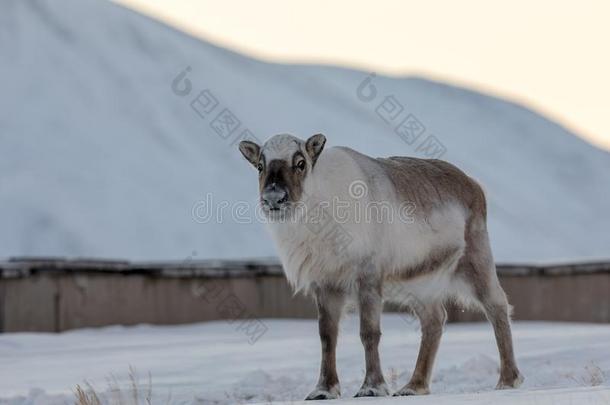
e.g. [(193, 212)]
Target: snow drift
[(106, 152)]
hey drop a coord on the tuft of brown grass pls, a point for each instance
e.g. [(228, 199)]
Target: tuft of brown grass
[(87, 395), (393, 376), (135, 394), (595, 374)]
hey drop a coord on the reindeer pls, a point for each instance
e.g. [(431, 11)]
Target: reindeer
[(440, 252)]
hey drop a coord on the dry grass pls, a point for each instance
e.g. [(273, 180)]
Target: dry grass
[(595, 374), (134, 394), (87, 395)]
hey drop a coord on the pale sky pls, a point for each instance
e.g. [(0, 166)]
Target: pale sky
[(553, 56)]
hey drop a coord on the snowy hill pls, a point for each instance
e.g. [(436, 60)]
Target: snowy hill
[(102, 154)]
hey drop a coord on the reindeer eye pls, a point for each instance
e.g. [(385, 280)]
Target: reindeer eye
[(301, 165), (260, 167)]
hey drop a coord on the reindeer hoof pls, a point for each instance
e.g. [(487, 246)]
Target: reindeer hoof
[(322, 393), (408, 390), (507, 383), (380, 390)]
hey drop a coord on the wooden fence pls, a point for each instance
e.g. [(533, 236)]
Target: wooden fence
[(54, 295)]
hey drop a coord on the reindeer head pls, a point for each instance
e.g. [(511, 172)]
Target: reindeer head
[(283, 163)]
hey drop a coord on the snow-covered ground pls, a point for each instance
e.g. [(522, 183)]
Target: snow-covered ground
[(214, 363), (102, 154)]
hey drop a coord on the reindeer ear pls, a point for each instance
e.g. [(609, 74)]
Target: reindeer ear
[(251, 151), (314, 146)]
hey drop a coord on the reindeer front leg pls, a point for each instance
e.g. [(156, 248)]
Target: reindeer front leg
[(370, 306), (330, 305)]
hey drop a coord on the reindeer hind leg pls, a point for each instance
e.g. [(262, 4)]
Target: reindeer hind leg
[(432, 318), (477, 268)]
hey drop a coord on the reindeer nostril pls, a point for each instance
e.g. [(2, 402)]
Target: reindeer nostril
[(273, 199)]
